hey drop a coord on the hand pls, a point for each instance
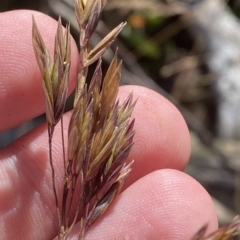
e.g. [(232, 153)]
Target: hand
[(159, 200)]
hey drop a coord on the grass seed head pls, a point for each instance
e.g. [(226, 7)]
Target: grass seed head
[(55, 71), (100, 139), (100, 133)]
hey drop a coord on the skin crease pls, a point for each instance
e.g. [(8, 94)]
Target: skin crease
[(158, 201)]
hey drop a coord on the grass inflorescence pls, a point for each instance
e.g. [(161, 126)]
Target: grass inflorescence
[(100, 132)]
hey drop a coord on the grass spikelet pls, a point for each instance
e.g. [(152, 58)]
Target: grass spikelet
[(227, 232)]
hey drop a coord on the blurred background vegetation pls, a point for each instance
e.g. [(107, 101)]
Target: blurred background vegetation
[(188, 51)]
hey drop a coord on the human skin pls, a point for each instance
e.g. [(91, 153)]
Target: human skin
[(158, 201)]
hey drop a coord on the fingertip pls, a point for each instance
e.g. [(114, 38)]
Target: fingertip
[(162, 138), (166, 204), (20, 77)]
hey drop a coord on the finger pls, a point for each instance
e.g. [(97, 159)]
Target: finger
[(162, 137), (25, 173), (166, 204), (20, 79)]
